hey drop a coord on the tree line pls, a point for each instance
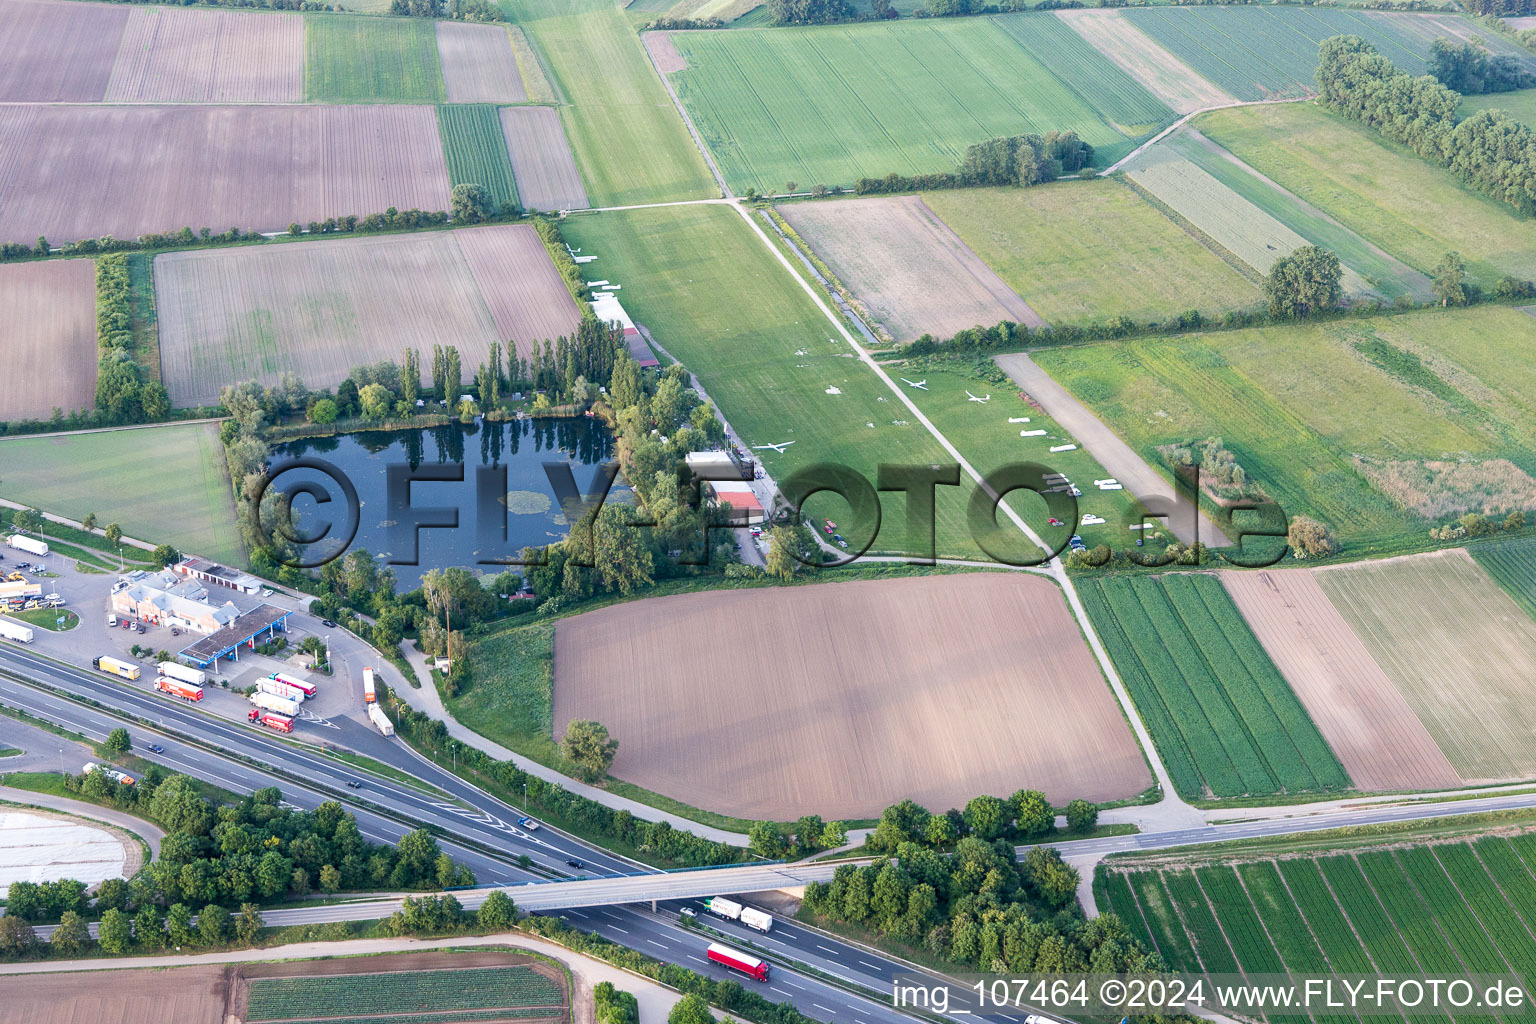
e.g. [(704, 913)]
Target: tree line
[(1490, 151), (1469, 69), (1017, 160), (122, 393), (453, 10)]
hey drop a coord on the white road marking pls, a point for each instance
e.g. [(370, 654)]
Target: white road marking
[(823, 1009), (791, 984), (701, 961), (832, 951), (657, 944), (866, 963), (621, 931)]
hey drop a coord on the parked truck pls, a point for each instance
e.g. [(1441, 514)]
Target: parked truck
[(176, 670), (282, 723), (377, 716), (747, 964), (27, 544), (15, 631), (20, 588), (757, 919), (112, 666), (279, 688), (122, 778), (177, 688), (728, 909), (272, 702), (303, 686), (368, 694)]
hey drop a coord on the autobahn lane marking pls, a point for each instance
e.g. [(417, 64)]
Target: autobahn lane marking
[(791, 984), (658, 945), (824, 948), (866, 963)]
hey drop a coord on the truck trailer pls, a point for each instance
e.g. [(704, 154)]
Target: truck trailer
[(113, 667), (368, 691), (303, 686), (377, 716), (279, 688), (20, 588), (177, 688), (122, 778), (757, 919), (176, 670), (15, 631), (272, 702), (747, 964), (281, 723), (27, 544), (729, 909)]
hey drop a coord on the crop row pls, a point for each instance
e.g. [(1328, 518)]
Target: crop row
[(1255, 952), (1162, 919), (1512, 564), (475, 148), (1100, 81), (1209, 943), (402, 992), (456, 1017)]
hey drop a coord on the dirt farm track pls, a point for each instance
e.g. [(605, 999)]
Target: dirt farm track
[(841, 698)]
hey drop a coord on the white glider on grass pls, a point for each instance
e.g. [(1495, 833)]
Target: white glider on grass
[(921, 385), (776, 447)]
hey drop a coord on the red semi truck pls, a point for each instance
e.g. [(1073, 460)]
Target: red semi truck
[(282, 723), (177, 688), (751, 966)]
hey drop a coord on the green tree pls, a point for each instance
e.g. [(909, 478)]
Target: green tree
[(17, 937), (1082, 816), (27, 520), (165, 555), (114, 533), (1305, 282), (330, 878), (834, 835), (376, 401), (1032, 813), (766, 840), (213, 925), (88, 524), (588, 746), (941, 831), (1450, 275), (497, 912), (986, 817), (115, 933), (117, 742), (249, 924), (620, 555), (1309, 538), (471, 204), (112, 893), (149, 928), (178, 925), (691, 1009), (324, 412), (72, 935)]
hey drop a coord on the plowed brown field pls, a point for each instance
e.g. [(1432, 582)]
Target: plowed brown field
[(72, 172), (1371, 728), (320, 308), (186, 56), (47, 337), (841, 698), (185, 995), (907, 266), (57, 51), (546, 173), (478, 65)]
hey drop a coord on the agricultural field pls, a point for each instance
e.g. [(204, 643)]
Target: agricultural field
[(189, 506), (1451, 906), (1359, 710), (1257, 53), (1164, 75), (1012, 706), (320, 308), (475, 149), (1513, 564), (769, 359), (1080, 252), (72, 172), (906, 266), (1303, 407), (187, 995), (1400, 202), (617, 107), (478, 64), (372, 60), (48, 335), (1521, 104), (58, 51), (403, 995), (1460, 650), (546, 174), (1222, 717), (171, 55), (832, 104), (528, 66)]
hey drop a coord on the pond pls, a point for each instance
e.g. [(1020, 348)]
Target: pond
[(501, 467)]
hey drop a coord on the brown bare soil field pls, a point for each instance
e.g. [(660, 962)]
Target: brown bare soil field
[(57, 51), (1358, 709), (546, 173), (185, 995), (185, 56), (478, 64), (72, 172), (320, 308), (842, 698), (527, 298), (1164, 75), (48, 338), (904, 263), (1459, 649), (664, 53)]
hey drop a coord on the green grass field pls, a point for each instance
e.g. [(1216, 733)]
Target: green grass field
[(1085, 251), (402, 992), (371, 60), (1449, 907), (1298, 403), (714, 296), (476, 149), (47, 618), (160, 484), (628, 140), (1521, 104), (1222, 717), (832, 104), (1382, 191), (1513, 564)]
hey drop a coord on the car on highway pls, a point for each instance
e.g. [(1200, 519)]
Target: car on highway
[(528, 823), (688, 912), (354, 784), (578, 865), (155, 748)]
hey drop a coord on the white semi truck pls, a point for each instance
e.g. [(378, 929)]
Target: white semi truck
[(15, 631), (176, 670), (272, 702), (27, 544), (377, 716)]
